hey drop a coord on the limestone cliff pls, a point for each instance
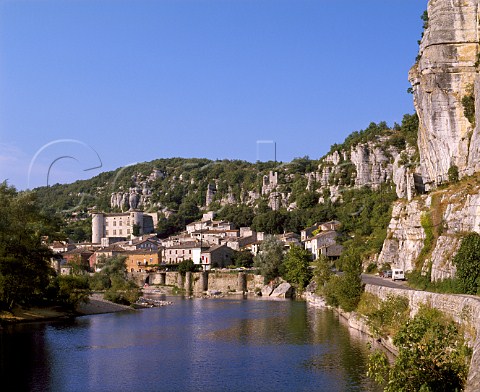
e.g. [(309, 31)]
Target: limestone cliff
[(435, 223), (368, 164), (426, 233), (446, 74)]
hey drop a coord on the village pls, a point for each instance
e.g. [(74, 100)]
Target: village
[(209, 243)]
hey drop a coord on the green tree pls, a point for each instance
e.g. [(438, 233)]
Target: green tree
[(243, 258), (467, 261), (73, 289), (25, 270), (269, 259), (432, 356), (136, 230), (296, 267), (322, 272), (453, 174), (307, 199), (186, 266), (122, 291), (345, 290), (113, 280)]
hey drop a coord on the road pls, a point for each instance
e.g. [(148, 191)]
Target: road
[(378, 281)]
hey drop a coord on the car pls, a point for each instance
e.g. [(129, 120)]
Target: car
[(386, 274)]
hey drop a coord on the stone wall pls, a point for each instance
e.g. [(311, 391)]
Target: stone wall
[(463, 309), (215, 281)]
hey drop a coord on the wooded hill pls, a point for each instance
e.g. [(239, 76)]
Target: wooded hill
[(306, 190)]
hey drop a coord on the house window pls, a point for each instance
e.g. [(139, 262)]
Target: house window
[(128, 231), (114, 223), (106, 232), (120, 231), (114, 232)]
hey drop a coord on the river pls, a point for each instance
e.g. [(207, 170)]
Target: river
[(208, 345)]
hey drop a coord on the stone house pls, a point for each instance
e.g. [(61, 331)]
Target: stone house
[(319, 244), (112, 250), (139, 244), (218, 256), (142, 260), (185, 251), (78, 256)]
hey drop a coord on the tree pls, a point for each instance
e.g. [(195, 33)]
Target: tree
[(295, 267), (186, 266), (345, 290), (122, 291), (73, 289), (322, 272), (136, 230), (467, 261), (453, 174), (25, 270), (269, 259), (113, 279), (307, 199), (432, 356), (243, 258)]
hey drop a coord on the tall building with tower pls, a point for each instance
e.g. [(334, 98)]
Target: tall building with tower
[(107, 228)]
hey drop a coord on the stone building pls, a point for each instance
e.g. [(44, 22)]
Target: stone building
[(142, 260), (108, 228)]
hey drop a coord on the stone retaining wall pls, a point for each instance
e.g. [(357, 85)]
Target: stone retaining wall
[(198, 282)]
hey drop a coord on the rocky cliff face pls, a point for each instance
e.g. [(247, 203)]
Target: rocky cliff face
[(369, 164), (444, 79), (446, 72), (447, 215)]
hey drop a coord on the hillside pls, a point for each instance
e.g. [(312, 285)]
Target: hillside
[(272, 197)]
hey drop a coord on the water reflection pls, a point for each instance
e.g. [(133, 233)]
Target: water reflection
[(198, 344)]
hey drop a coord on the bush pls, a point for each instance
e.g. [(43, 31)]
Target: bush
[(73, 289), (122, 291), (432, 356), (467, 261), (186, 266), (453, 175), (389, 316), (345, 290)]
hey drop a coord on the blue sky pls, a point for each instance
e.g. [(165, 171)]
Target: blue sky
[(107, 83)]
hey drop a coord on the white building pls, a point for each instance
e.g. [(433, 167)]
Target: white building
[(106, 227)]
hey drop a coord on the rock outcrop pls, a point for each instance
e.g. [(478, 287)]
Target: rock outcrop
[(446, 73), (451, 214)]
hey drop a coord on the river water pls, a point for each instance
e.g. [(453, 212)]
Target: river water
[(203, 345)]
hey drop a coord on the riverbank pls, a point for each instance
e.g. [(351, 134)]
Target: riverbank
[(354, 321), (96, 305)]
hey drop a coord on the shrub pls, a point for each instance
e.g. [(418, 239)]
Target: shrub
[(467, 261), (453, 173), (432, 356), (390, 315), (468, 102)]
